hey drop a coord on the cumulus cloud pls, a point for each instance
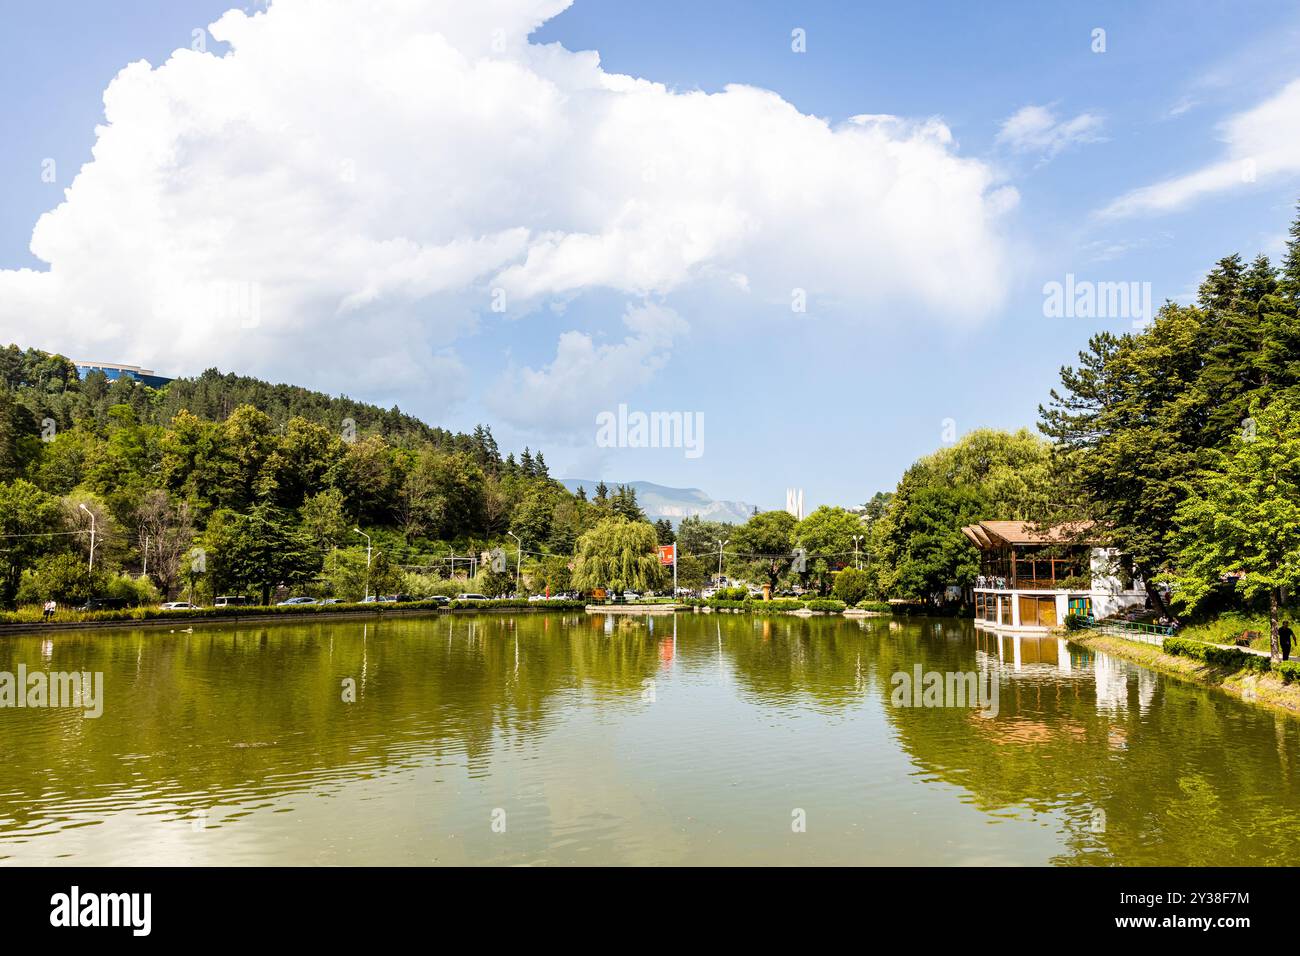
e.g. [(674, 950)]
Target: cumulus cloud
[(1036, 129), (1260, 143), (349, 189), (585, 377)]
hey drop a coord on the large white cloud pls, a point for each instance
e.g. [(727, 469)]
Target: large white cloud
[(343, 194), (1259, 144)]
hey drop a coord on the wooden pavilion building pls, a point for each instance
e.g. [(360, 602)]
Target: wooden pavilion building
[(1031, 577)]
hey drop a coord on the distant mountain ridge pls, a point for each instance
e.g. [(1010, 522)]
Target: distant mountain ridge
[(661, 501)]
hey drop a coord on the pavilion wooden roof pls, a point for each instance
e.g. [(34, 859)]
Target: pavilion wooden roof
[(999, 534)]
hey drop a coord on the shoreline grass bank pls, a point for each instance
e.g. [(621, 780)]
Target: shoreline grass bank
[(152, 617), (1246, 684)]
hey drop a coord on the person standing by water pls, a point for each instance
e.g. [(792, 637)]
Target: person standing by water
[(50, 608), (1285, 636)]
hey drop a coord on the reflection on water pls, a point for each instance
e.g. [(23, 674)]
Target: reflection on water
[(618, 739)]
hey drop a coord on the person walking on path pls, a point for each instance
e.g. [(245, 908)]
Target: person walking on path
[(1285, 636)]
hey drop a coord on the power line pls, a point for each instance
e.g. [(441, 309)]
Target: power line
[(42, 534)]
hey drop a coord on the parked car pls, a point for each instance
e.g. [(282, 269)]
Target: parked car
[(370, 599), (329, 601), (178, 606), (297, 600), (103, 604), (631, 596), (437, 599), (471, 597), (232, 600)]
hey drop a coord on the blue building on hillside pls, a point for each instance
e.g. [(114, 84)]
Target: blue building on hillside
[(112, 371)]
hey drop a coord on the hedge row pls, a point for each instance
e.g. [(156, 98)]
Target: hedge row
[(831, 605), (1231, 658), (154, 614)]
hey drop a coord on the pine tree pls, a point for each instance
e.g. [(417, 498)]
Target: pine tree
[(1222, 287), (1290, 279)]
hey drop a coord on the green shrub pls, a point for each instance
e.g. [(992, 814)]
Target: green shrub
[(852, 585), (833, 605), (883, 606), (730, 604), (1289, 671), (1182, 647), (1075, 622), (1235, 659), (780, 604), (1229, 658)]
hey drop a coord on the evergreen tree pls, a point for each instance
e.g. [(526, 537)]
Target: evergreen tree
[(1242, 521)]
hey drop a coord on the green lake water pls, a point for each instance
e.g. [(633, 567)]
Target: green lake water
[(593, 739)]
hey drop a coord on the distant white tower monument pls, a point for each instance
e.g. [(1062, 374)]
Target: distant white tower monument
[(794, 502)]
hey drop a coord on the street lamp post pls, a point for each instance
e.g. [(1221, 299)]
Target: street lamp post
[(519, 558), (83, 507), (367, 537), (721, 544), (857, 561)]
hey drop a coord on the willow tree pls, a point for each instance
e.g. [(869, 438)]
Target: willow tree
[(619, 555), (1243, 522)]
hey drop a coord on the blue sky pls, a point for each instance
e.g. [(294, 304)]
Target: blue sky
[(838, 399)]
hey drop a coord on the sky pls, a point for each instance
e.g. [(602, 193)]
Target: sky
[(828, 236)]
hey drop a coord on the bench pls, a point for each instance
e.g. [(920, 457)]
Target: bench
[(1247, 637)]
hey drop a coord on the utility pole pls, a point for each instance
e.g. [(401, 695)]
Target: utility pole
[(145, 572), (519, 558), (83, 507), (367, 537)]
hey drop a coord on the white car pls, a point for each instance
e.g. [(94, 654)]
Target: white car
[(178, 606), (471, 597)]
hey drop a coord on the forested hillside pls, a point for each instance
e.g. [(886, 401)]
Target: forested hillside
[(227, 483)]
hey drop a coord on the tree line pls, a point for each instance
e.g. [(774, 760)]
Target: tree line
[(227, 484)]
